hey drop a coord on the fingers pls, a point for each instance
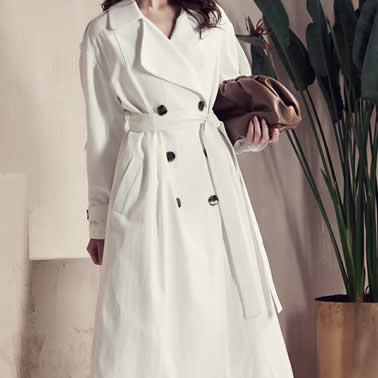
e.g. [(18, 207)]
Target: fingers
[(100, 250), (95, 249), (258, 132), (265, 132), (275, 136), (250, 134), (93, 253)]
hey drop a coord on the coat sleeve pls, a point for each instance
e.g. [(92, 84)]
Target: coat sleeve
[(233, 63), (104, 125)]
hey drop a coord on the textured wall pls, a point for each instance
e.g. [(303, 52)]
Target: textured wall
[(14, 275), (48, 306), (61, 318), (42, 117)]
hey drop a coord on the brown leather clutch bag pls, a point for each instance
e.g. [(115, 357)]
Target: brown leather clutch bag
[(239, 99)]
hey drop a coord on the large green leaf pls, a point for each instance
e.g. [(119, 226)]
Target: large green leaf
[(318, 40), (336, 114), (321, 52), (292, 51), (345, 26), (368, 14), (317, 48), (369, 76), (352, 77), (251, 39), (296, 60), (315, 10), (276, 16), (335, 78), (261, 60)]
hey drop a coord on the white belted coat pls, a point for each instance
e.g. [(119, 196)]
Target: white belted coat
[(186, 289)]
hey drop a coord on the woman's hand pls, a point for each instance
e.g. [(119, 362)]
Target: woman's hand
[(96, 250), (258, 133)]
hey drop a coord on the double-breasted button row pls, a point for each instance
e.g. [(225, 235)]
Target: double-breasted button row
[(201, 106), (170, 157), (162, 109), (213, 200)]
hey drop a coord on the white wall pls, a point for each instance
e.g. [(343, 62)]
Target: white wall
[(42, 133)]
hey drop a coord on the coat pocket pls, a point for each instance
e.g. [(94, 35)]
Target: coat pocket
[(125, 184)]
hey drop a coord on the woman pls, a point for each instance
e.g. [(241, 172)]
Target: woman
[(186, 289)]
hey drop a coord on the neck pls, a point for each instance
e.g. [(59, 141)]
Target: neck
[(154, 4)]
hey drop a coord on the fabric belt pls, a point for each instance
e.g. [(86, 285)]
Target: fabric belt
[(232, 207)]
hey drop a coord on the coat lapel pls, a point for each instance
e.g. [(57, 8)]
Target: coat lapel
[(168, 59)]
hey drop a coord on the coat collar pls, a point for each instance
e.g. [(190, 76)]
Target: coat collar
[(123, 12), (176, 54)]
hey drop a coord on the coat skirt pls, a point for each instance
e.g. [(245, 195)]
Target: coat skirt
[(185, 285)]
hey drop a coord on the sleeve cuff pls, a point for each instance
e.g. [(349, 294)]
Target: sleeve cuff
[(96, 216), (97, 230), (241, 147)]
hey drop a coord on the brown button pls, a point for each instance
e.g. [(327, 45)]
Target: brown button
[(87, 214), (162, 109), (213, 200), (205, 152), (178, 202), (119, 100), (201, 105), (170, 155)]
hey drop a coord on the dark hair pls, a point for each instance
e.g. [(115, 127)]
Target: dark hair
[(206, 9)]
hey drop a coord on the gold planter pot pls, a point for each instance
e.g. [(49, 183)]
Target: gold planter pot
[(347, 338)]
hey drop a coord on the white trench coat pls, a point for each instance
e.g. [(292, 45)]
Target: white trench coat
[(186, 290)]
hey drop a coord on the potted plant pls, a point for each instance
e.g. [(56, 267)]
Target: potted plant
[(343, 57)]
